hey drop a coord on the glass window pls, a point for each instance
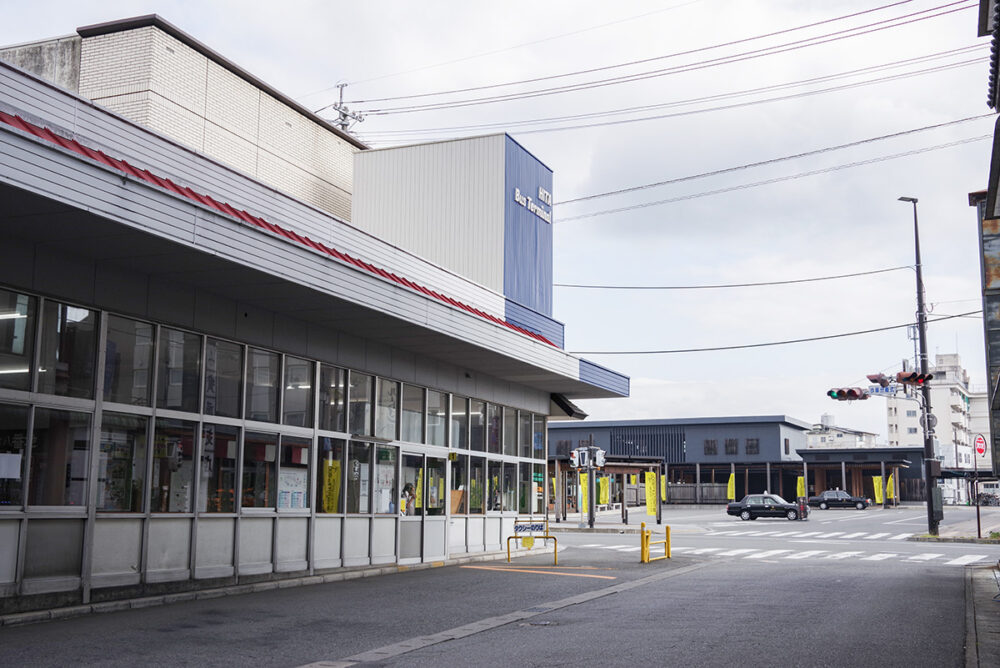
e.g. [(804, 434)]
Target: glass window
[(525, 494), (128, 360), (539, 488), (121, 464), (753, 446), (493, 420), (538, 441), (385, 479), (17, 340), (223, 378), (477, 425), (510, 486), (494, 492), (509, 432), (297, 408), (413, 414), (332, 398), (68, 352), (411, 497), (732, 446), (435, 485), (260, 453), (386, 408), (178, 370), (437, 418), (329, 475), (360, 420), (13, 437), (173, 466), (477, 480), (60, 456), (524, 433), (263, 372), (711, 447), (359, 475), (459, 422), (459, 501), (293, 474), (218, 468)]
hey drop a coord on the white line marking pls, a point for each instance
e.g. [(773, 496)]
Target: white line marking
[(614, 547), (901, 536), (882, 556), (705, 550), (786, 533), (722, 533), (765, 554), (876, 535), (830, 535), (809, 533), (590, 545), (965, 559), (843, 555), (630, 549), (926, 556), (805, 555), (733, 553), (855, 535)]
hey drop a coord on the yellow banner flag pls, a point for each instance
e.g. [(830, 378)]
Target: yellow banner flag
[(553, 487), (877, 483), (663, 488), (605, 495), (650, 493), (800, 486), (632, 479), (584, 488), (890, 491), (731, 487), (331, 486)]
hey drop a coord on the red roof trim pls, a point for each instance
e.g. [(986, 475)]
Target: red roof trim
[(229, 210)]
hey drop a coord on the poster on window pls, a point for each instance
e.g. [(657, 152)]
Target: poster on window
[(293, 488)]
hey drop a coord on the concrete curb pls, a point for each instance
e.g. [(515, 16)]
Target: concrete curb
[(953, 539), (34, 616)]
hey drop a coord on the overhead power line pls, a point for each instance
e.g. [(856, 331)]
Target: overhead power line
[(771, 161), (632, 62), (715, 62), (765, 345), (727, 285), (779, 179), (508, 125)]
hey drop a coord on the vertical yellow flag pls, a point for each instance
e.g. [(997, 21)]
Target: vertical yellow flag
[(651, 493), (890, 492), (663, 488), (731, 487), (584, 488), (877, 483), (800, 486), (605, 496), (553, 487), (632, 479)]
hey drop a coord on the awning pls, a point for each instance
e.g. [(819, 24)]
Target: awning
[(561, 408)]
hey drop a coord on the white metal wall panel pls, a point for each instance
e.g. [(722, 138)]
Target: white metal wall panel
[(9, 532), (326, 542), (116, 549), (44, 104), (168, 554), (256, 543), (215, 540), (442, 201), (292, 542)]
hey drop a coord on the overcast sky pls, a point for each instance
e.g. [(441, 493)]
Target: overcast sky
[(837, 221)]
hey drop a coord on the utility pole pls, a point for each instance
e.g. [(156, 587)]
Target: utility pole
[(930, 481)]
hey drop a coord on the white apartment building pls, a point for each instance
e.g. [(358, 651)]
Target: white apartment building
[(827, 435), (961, 414)]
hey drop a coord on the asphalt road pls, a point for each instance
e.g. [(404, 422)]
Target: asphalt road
[(763, 607)]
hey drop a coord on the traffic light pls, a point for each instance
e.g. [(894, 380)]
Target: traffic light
[(599, 458), (848, 394), (880, 378), (913, 378), (574, 459)]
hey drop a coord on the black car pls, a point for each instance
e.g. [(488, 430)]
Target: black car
[(765, 505), (838, 498)]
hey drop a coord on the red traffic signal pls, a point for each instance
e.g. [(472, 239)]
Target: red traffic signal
[(913, 378), (880, 378), (848, 394)]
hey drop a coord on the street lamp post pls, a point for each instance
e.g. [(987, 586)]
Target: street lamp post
[(932, 523)]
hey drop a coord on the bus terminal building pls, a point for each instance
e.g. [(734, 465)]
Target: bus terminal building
[(238, 344)]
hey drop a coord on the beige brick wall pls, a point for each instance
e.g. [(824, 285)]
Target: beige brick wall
[(155, 80)]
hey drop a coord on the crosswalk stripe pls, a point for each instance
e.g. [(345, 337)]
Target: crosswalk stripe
[(842, 555), (926, 556), (809, 533), (722, 533), (876, 535), (590, 545), (854, 535), (882, 556), (680, 549), (901, 536), (786, 533), (805, 555), (705, 550), (630, 549), (830, 535), (965, 559), (614, 547), (765, 554), (764, 533), (733, 553)]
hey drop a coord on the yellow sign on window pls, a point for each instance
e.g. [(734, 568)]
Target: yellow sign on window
[(650, 493)]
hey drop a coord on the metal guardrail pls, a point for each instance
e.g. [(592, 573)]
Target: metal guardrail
[(646, 536)]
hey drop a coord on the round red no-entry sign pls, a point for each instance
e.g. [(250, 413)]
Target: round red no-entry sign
[(980, 444)]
